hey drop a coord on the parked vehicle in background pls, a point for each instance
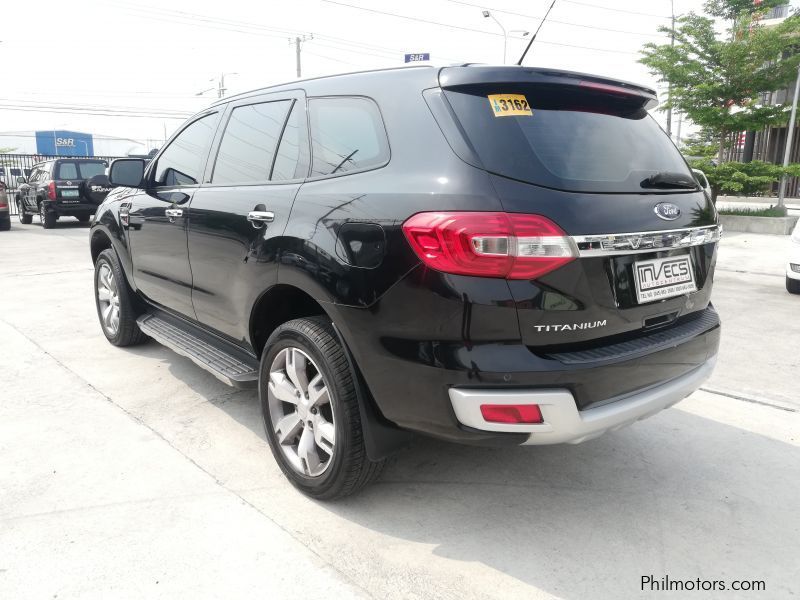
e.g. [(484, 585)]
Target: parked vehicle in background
[(5, 215), (487, 255), (10, 174), (703, 181), (793, 264), (62, 187)]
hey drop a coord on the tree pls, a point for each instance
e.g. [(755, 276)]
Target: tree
[(731, 10), (716, 82)]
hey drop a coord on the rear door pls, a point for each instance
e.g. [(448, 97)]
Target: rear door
[(70, 177), (237, 218), (587, 155), (158, 217)]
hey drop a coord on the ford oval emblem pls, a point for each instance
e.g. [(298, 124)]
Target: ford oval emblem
[(667, 211)]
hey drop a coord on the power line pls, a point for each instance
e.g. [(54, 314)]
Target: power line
[(622, 10), (527, 16), (470, 29), (78, 111), (125, 109)]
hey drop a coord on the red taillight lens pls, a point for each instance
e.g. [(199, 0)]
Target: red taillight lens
[(3, 204), (489, 244), (512, 413), (51, 191)]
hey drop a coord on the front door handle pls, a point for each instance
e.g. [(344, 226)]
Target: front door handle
[(173, 213), (260, 217)]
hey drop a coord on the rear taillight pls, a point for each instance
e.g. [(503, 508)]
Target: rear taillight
[(489, 244), (51, 191), (511, 413), (3, 204)]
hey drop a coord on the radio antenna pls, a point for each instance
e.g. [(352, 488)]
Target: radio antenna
[(528, 47)]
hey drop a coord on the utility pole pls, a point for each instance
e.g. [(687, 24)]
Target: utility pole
[(298, 41), (669, 88), (789, 135), (678, 134)]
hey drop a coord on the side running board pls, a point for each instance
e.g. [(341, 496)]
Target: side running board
[(231, 366)]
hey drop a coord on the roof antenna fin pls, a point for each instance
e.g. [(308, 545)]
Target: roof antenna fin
[(528, 47)]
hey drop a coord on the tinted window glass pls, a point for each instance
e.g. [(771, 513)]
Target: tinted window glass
[(347, 134), (67, 171), (88, 170), (248, 144), (183, 161), (291, 161), (574, 139)]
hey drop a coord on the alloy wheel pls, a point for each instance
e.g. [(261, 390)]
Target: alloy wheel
[(300, 411), (108, 299)]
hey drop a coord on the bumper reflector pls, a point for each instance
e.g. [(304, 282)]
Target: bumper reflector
[(511, 413)]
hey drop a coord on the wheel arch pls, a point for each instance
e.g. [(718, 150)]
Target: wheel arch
[(284, 302)]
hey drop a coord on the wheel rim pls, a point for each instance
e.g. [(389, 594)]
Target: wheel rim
[(20, 214), (108, 299), (41, 213), (300, 412)]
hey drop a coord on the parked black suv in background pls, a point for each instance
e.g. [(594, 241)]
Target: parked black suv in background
[(62, 187), (488, 255)]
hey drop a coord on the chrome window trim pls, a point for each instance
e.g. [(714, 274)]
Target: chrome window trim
[(614, 244)]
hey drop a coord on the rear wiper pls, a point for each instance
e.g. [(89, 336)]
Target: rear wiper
[(666, 179)]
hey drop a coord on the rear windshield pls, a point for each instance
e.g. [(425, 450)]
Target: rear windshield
[(80, 170), (565, 137)]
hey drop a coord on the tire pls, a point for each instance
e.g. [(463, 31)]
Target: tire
[(47, 217), (122, 330), (5, 224), (301, 350), (84, 218), (24, 217), (792, 285)]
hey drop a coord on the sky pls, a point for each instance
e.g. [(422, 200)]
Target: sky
[(138, 67)]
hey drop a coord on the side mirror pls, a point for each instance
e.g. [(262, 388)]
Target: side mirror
[(126, 172), (21, 180)]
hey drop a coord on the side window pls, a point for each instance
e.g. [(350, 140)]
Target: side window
[(291, 161), (67, 170), (347, 134), (248, 145), (183, 160)]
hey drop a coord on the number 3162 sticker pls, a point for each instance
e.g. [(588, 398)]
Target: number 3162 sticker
[(509, 105)]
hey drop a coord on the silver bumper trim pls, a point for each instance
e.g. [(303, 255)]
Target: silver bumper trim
[(563, 422)]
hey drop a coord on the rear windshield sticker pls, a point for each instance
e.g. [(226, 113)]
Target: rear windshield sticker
[(510, 105)]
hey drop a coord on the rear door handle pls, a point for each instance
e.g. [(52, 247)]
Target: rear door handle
[(259, 217)]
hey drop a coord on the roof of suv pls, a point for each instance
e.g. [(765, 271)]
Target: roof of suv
[(456, 74)]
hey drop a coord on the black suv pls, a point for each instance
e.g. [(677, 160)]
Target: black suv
[(488, 255), (62, 187)]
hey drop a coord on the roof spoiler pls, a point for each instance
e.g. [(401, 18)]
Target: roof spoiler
[(451, 77)]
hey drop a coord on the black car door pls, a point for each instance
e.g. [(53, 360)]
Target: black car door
[(260, 159), (158, 217)]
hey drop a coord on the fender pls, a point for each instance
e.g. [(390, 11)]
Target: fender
[(107, 222)]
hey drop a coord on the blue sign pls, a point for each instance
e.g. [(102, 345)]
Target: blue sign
[(418, 57), (64, 143)]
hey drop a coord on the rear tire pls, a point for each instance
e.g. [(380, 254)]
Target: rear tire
[(5, 224), (115, 302), (321, 450), (24, 218), (792, 285), (84, 218), (47, 217)]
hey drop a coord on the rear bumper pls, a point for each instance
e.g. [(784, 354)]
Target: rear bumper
[(562, 421), (69, 209)]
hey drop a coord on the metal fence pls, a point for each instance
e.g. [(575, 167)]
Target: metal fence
[(13, 166)]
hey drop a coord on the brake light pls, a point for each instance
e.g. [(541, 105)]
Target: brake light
[(3, 204), (511, 413), (489, 244), (51, 191)]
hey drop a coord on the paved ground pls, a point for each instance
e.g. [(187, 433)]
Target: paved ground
[(134, 474)]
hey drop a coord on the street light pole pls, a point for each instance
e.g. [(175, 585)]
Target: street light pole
[(488, 15), (789, 135)]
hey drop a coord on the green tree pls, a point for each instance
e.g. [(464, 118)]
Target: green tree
[(731, 10), (716, 82)]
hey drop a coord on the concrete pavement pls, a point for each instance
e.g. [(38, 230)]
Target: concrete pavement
[(120, 468)]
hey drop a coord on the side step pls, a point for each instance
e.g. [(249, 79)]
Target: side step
[(228, 364)]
